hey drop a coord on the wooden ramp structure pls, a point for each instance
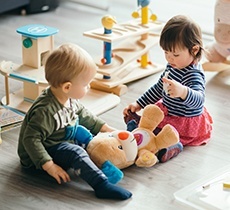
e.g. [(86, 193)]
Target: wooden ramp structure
[(136, 39)]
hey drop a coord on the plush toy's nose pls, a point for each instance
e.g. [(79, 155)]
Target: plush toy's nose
[(123, 135)]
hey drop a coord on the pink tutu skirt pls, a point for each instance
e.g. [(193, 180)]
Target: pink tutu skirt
[(193, 131)]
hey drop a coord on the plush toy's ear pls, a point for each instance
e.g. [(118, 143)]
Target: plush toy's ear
[(151, 117)]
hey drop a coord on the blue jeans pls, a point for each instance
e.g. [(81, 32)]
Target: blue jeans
[(68, 155)]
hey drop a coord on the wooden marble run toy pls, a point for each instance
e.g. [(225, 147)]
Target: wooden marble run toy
[(129, 60), (37, 42)]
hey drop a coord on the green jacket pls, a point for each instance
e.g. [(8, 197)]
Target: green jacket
[(44, 126)]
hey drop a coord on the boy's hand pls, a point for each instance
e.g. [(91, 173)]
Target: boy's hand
[(56, 172), (175, 89)]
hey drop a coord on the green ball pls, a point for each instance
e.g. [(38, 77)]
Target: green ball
[(27, 43)]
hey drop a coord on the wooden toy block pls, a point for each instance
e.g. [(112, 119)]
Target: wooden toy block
[(119, 90)]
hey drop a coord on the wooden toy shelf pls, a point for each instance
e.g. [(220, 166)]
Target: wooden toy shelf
[(37, 41), (137, 39)]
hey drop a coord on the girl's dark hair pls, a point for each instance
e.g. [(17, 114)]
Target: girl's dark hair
[(182, 32)]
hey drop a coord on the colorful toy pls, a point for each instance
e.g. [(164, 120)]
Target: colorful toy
[(119, 147), (144, 20), (113, 151), (141, 152), (37, 43), (219, 50), (122, 64)]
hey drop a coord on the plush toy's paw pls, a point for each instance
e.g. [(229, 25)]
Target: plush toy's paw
[(113, 173), (167, 137), (79, 134), (83, 135), (146, 159)]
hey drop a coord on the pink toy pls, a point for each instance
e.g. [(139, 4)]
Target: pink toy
[(219, 51)]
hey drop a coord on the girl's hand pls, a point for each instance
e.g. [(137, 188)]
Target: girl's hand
[(175, 89), (133, 107), (56, 172)]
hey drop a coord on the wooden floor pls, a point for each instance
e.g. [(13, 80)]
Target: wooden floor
[(152, 188)]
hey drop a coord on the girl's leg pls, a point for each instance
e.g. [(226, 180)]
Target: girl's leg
[(132, 121), (73, 156), (132, 116), (168, 153)]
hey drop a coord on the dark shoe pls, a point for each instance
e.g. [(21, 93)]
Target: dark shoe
[(131, 125), (132, 116), (168, 153)]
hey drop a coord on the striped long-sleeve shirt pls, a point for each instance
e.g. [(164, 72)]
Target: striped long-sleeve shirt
[(193, 77)]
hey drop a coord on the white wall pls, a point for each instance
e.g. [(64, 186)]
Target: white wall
[(202, 11)]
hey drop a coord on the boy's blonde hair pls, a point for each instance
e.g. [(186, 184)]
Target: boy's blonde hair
[(181, 31), (66, 63)]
